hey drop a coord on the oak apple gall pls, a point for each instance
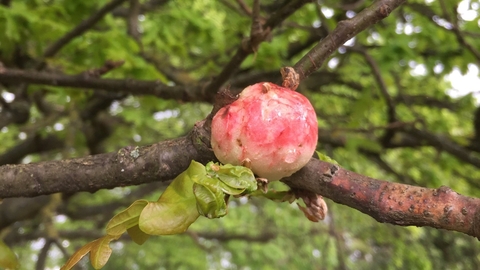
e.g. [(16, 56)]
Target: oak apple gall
[(272, 127)]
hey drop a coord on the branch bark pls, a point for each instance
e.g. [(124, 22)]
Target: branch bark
[(258, 34), (388, 202), (85, 82), (129, 166)]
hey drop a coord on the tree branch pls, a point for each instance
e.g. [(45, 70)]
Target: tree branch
[(446, 144), (85, 83), (129, 166), (393, 203), (345, 30), (81, 28), (388, 202), (250, 45)]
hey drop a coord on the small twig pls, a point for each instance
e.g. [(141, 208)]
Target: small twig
[(42, 256), (132, 21), (247, 47), (79, 29), (134, 87), (391, 113), (322, 17), (345, 30), (388, 202), (457, 32), (445, 144), (244, 7), (107, 67), (394, 125)]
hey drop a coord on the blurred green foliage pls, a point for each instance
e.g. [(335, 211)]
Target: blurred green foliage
[(414, 52)]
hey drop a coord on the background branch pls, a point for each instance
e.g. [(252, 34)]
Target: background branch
[(344, 31)]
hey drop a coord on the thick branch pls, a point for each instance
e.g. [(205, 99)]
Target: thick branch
[(129, 166), (393, 203)]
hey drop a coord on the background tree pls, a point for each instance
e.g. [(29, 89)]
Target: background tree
[(83, 79)]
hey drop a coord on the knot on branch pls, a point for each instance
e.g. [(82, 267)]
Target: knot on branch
[(385, 10), (329, 173)]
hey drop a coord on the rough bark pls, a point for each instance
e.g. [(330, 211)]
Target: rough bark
[(388, 202)]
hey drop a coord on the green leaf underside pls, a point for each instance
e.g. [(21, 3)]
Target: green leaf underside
[(166, 218), (197, 191), (137, 235), (101, 251), (176, 208), (126, 219), (77, 256)]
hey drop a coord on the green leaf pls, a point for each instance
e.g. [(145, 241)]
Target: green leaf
[(126, 219), (137, 235), (176, 209), (8, 260), (326, 158), (172, 216), (354, 143), (210, 189), (361, 107), (235, 177), (210, 200)]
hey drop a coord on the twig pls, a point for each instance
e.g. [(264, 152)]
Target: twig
[(42, 256), (391, 113), (108, 66), (245, 8), (248, 46), (345, 30), (134, 87), (80, 29), (446, 144), (457, 31), (132, 21), (394, 125)]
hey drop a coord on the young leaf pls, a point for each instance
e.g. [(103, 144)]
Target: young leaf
[(8, 260), (126, 219), (176, 209), (101, 251), (171, 216), (210, 200), (78, 255), (137, 235), (326, 158), (237, 178)]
